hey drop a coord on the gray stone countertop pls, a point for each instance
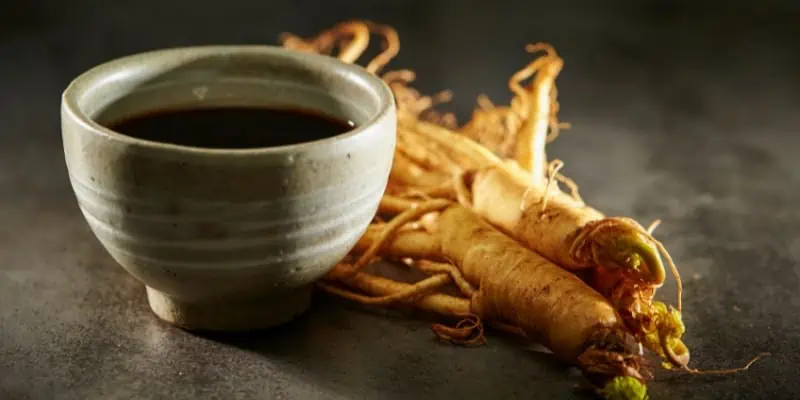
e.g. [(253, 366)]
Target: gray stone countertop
[(687, 114)]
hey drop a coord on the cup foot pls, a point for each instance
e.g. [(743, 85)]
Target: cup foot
[(252, 314)]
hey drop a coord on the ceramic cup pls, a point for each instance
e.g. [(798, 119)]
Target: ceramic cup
[(227, 239)]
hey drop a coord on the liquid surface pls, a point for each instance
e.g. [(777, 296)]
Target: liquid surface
[(232, 127)]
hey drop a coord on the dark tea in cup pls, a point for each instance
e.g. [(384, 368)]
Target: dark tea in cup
[(232, 127)]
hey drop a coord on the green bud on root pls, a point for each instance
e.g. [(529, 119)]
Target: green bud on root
[(624, 388)]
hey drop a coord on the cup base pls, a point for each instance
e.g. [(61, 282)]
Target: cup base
[(252, 314)]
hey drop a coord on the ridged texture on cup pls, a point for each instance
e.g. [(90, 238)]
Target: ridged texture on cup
[(177, 219), (214, 225)]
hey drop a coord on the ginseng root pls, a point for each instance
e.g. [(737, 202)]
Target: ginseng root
[(495, 166), (563, 229), (566, 231), (351, 36), (570, 233), (512, 285), (522, 129), (530, 141), (577, 237)]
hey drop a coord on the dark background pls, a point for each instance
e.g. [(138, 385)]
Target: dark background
[(681, 112)]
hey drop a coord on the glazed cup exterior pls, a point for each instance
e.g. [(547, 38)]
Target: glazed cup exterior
[(227, 239)]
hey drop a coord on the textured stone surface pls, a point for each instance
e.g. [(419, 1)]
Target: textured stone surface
[(686, 115)]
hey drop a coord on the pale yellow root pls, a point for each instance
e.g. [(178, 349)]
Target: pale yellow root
[(532, 137), (353, 39), (425, 103), (353, 36), (480, 156), (522, 127), (555, 125), (395, 205), (382, 291), (417, 153), (653, 225), (414, 244), (430, 160), (410, 102), (468, 331), (431, 267), (391, 46), (399, 77), (471, 155), (392, 204), (493, 127), (572, 186), (417, 289), (553, 169), (406, 172), (443, 191), (524, 98), (356, 46), (454, 161), (397, 222), (447, 120), (463, 194), (441, 304), (728, 371)]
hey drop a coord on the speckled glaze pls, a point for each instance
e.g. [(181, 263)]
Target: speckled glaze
[(227, 239)]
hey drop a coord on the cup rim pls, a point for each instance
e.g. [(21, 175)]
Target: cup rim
[(69, 98)]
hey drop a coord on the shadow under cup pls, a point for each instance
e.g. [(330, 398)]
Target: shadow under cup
[(227, 239)]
